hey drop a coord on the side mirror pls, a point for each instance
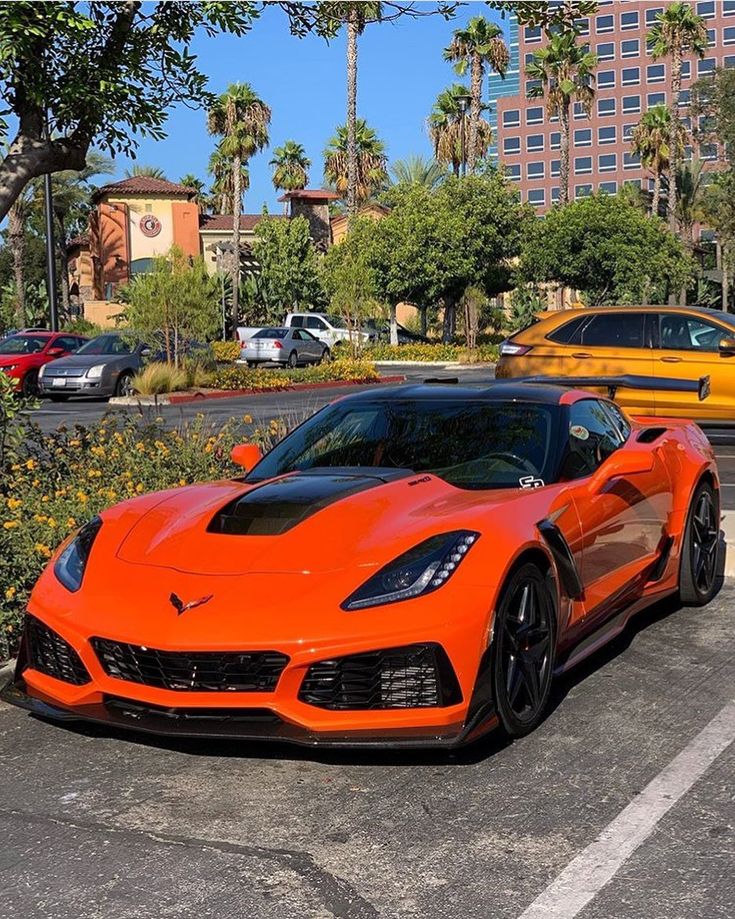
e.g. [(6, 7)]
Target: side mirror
[(246, 455), (727, 346), (55, 352), (623, 463), (145, 352)]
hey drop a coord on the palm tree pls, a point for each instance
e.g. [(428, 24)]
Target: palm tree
[(221, 192), (651, 140), (563, 71), (445, 129), (371, 172), (290, 167), (241, 118), (676, 32), (197, 186), (149, 172), (479, 44), (418, 170)]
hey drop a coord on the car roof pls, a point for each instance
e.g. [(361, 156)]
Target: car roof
[(502, 391)]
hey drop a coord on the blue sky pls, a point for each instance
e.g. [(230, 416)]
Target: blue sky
[(400, 73)]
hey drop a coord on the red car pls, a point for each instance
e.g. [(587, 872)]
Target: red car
[(22, 355)]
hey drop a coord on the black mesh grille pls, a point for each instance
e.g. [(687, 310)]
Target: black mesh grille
[(191, 671), (414, 676), (49, 653)]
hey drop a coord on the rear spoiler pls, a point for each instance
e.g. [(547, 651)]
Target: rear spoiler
[(661, 384)]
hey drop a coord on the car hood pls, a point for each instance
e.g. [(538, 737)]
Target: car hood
[(84, 361), (6, 359)]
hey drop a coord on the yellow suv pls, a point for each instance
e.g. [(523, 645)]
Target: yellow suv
[(652, 341)]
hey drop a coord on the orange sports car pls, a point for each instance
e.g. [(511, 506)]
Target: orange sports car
[(409, 567)]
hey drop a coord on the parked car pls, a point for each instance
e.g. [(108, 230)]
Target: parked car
[(104, 366), (245, 333), (23, 355), (381, 331), (649, 341), (284, 346), (332, 330)]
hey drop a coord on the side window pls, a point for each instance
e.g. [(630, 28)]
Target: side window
[(593, 436), (314, 322), (687, 333), (619, 420), (297, 322), (614, 330), (67, 342), (568, 334)]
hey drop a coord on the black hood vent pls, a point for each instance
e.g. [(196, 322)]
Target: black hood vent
[(277, 506)]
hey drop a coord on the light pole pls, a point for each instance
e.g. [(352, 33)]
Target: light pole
[(463, 102)]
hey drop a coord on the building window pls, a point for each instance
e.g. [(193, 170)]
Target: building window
[(582, 191), (629, 20), (511, 118), (583, 26), (511, 145), (607, 135), (532, 86), (555, 140), (582, 165), (686, 123), (605, 107), (606, 51), (533, 33), (630, 48), (686, 70), (607, 162), (535, 115), (708, 151), (728, 36), (705, 66), (631, 104), (530, 55), (729, 8), (513, 172), (728, 61), (608, 188), (631, 160), (605, 23), (711, 37), (555, 194), (579, 110), (606, 79), (555, 168), (706, 9), (534, 143), (583, 137), (537, 196), (631, 76), (656, 99), (628, 131), (535, 170), (652, 14), (685, 97)]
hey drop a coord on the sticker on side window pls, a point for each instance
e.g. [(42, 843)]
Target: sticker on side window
[(579, 431), (530, 481)]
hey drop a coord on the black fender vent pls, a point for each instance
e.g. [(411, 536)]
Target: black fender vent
[(649, 435)]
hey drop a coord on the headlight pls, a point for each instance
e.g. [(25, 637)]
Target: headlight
[(94, 373), (419, 571), (70, 565)]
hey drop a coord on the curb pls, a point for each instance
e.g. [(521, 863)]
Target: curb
[(453, 365), (182, 398)]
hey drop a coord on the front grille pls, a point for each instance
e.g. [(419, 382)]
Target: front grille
[(232, 716), (191, 671), (414, 676), (49, 653)]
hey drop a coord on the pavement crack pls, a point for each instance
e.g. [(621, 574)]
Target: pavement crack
[(337, 894)]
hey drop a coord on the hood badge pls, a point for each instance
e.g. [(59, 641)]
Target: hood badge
[(181, 607)]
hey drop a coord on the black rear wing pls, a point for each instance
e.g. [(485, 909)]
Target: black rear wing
[(661, 384)]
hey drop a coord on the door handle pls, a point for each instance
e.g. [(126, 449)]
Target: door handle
[(670, 359), (581, 355)]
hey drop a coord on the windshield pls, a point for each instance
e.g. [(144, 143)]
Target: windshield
[(24, 344), (471, 445), (336, 321), (106, 344), (271, 333)]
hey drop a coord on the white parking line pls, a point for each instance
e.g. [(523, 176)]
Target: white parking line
[(595, 866)]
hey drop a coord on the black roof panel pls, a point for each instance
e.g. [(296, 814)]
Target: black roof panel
[(503, 390)]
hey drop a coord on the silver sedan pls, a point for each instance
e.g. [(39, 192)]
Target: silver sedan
[(284, 346)]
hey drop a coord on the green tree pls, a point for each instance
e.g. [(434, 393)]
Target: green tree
[(349, 281), (371, 161), (200, 197), (290, 167), (563, 73), (477, 45), (607, 249), (178, 299), (718, 210), (691, 186), (676, 32), (221, 192), (288, 270), (418, 170), (713, 108), (651, 140), (241, 118), (144, 171), (445, 126)]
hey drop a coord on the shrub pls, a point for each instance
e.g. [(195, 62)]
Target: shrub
[(431, 352), (226, 351), (239, 377), (82, 326), (158, 378)]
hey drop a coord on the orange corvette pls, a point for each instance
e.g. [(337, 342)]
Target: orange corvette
[(409, 567)]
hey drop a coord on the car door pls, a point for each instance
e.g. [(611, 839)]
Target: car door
[(318, 328), (313, 348), (623, 517), (611, 343), (687, 347)]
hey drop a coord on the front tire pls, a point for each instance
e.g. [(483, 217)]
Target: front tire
[(124, 385), (29, 386), (524, 640), (699, 555)]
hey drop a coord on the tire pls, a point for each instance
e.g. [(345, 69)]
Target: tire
[(252, 364), (524, 646), (124, 385), (699, 550), (293, 360), (326, 357), (29, 386), (56, 397)]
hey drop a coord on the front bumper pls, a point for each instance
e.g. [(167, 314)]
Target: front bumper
[(74, 386)]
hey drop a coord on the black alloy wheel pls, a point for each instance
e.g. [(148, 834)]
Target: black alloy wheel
[(29, 386), (525, 640), (699, 554)]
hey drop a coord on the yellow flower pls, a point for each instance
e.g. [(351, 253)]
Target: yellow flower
[(35, 483), (94, 474), (81, 497), (52, 523), (40, 518), (14, 503), (30, 464), (71, 523), (10, 593), (140, 488), (75, 443), (98, 451), (10, 524), (140, 447), (43, 550), (248, 419), (45, 499), (182, 482)]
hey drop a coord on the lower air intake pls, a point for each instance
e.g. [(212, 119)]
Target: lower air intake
[(413, 676), (48, 653)]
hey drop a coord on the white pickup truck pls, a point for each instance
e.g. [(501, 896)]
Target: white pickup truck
[(326, 327)]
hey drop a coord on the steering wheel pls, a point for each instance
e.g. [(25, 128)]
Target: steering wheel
[(516, 460)]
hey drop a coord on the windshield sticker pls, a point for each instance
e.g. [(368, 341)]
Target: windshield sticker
[(579, 431), (530, 481)]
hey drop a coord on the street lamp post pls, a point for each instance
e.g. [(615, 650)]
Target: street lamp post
[(463, 102)]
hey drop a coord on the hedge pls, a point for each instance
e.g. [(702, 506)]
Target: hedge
[(237, 376), (431, 352)]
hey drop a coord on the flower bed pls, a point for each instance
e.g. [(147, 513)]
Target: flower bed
[(225, 351), (432, 352), (237, 376)]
